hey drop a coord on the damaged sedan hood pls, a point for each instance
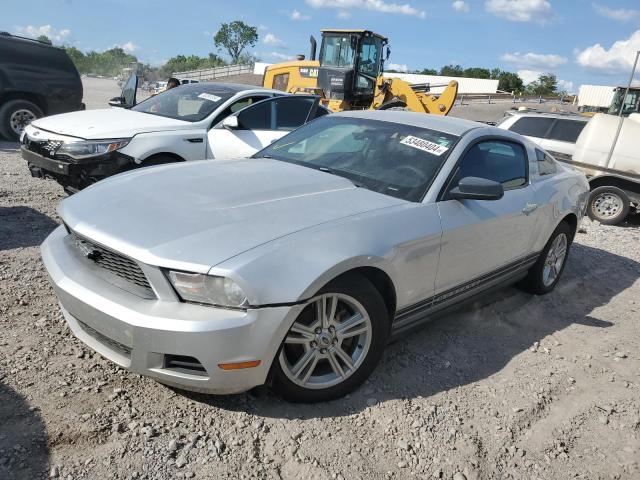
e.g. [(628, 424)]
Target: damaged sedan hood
[(193, 216)]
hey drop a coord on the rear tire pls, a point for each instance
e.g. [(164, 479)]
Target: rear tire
[(545, 274), (15, 115), (608, 205), (341, 352)]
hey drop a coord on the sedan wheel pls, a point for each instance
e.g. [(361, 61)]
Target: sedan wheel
[(555, 260), (545, 273), (334, 343), (324, 348)]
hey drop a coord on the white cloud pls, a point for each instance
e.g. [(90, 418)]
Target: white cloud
[(375, 5), (296, 15), (519, 10), (262, 28), (460, 6), (619, 14), (344, 15), (128, 47), (535, 60), (615, 60), (529, 76), (271, 39), (34, 32), (399, 67), (565, 86), (278, 55)]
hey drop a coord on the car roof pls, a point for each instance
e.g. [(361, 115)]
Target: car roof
[(534, 113), (450, 125)]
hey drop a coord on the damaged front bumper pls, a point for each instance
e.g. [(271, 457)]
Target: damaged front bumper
[(75, 175)]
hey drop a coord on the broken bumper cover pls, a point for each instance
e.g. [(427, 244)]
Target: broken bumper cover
[(164, 338), (78, 174)]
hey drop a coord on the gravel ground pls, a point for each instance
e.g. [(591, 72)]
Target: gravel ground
[(515, 386)]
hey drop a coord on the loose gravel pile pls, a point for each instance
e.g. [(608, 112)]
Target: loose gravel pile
[(516, 386)]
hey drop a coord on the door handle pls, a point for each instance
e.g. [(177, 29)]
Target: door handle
[(529, 208), (193, 140)]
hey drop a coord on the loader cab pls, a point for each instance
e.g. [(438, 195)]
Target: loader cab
[(630, 103), (350, 63)]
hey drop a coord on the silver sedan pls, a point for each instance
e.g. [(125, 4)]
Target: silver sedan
[(296, 266)]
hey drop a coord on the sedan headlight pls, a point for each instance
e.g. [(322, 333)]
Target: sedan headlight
[(219, 291), (91, 148)]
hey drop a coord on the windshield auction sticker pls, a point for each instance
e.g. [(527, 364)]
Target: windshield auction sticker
[(424, 145), (208, 96)]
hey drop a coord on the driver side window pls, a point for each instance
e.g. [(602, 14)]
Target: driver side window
[(498, 160)]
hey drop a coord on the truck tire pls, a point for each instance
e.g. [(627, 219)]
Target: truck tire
[(608, 205), (15, 115)]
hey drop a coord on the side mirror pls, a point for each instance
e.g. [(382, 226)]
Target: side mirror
[(474, 188), (388, 54), (230, 123), (117, 102)]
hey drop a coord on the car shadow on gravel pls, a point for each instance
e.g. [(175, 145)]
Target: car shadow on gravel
[(470, 344), (24, 453), (23, 227), (8, 147)]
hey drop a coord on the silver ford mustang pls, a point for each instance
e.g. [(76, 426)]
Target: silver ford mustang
[(296, 266)]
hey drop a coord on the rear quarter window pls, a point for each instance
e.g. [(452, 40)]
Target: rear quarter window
[(546, 164), (566, 130), (532, 126)]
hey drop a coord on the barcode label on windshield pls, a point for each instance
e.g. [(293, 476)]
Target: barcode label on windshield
[(208, 96), (424, 145)]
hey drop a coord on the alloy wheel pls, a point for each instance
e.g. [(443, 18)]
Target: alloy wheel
[(555, 259), (327, 343)]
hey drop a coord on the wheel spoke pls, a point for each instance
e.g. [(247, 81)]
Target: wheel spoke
[(307, 359), (300, 329), (344, 356), (292, 340), (335, 364), (326, 309), (350, 323)]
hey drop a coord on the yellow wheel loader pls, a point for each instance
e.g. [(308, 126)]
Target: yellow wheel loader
[(348, 75)]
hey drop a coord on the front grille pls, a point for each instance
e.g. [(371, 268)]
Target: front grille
[(106, 341), (115, 263), (46, 148)]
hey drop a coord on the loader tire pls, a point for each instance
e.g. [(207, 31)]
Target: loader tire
[(393, 104)]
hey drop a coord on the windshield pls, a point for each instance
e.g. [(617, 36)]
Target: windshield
[(631, 102), (193, 102), (337, 51), (391, 158)]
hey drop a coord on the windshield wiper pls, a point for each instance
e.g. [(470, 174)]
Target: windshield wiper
[(332, 172)]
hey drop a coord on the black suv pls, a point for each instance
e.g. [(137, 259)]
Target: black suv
[(36, 79)]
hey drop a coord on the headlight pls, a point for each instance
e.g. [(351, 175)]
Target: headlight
[(91, 148), (220, 291)]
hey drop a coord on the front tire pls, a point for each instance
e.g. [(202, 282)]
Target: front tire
[(608, 205), (546, 272), (334, 344), (15, 115)]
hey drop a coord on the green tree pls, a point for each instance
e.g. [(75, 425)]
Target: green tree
[(495, 73), (477, 72), (547, 84), (428, 71), (44, 39), (452, 71), (510, 82), (234, 37), (78, 58)]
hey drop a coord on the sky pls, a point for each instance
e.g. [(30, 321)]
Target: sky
[(581, 41)]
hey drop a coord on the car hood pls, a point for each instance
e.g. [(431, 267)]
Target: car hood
[(108, 123), (195, 215)]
